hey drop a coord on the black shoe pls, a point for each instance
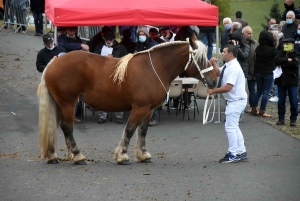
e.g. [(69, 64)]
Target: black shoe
[(243, 156), (229, 158), (293, 124), (280, 122), (101, 121), (119, 121)]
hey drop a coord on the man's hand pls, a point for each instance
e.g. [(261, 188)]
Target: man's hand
[(289, 59), (210, 91), (85, 47), (109, 55)]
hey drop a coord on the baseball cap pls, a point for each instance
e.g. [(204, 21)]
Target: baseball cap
[(47, 39)]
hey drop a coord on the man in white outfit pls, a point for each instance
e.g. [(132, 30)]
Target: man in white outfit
[(232, 85)]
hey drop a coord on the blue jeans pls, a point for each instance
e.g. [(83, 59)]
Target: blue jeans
[(38, 22), (252, 92), (264, 83), (274, 90), (208, 39), (292, 93), (154, 115), (11, 15)]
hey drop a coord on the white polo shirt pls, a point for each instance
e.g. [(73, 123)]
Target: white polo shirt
[(234, 75)]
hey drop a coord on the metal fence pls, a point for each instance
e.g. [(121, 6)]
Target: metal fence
[(16, 12), (87, 32)]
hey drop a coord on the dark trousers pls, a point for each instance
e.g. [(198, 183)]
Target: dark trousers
[(252, 92), (264, 83), (38, 22), (292, 93)]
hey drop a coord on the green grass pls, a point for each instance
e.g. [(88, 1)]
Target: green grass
[(254, 12)]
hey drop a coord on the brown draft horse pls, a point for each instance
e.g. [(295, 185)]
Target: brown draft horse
[(143, 80)]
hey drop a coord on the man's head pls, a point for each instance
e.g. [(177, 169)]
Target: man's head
[(109, 38), (288, 44), (105, 29), (229, 52), (165, 31), (126, 33), (235, 26), (290, 17), (276, 28), (142, 34), (227, 23), (48, 41), (153, 33), (71, 31), (289, 2), (271, 22), (238, 14), (247, 32)]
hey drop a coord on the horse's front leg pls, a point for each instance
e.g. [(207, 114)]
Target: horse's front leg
[(140, 149), (137, 115)]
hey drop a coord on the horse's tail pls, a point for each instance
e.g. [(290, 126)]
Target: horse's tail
[(48, 121)]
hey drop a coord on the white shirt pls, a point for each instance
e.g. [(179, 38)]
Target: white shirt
[(171, 39), (234, 75)]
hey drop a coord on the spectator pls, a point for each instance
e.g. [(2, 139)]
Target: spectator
[(225, 33), (153, 33), (270, 24), (289, 6), (297, 49), (8, 6), (144, 42), (166, 34), (37, 8), (98, 38), (239, 19), (70, 41), (235, 26), (238, 40), (47, 53), (21, 10), (282, 23), (127, 42), (288, 81), (117, 51), (263, 67), (289, 30), (132, 30), (248, 34)]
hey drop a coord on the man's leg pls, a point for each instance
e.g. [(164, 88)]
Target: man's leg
[(281, 102), (119, 116), (292, 91), (210, 41), (102, 117), (251, 89), (40, 23), (153, 121)]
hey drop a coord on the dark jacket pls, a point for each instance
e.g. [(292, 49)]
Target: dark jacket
[(68, 43), (44, 56), (119, 50), (183, 33), (158, 40), (242, 21), (243, 50), (290, 30), (37, 6), (289, 76), (130, 46), (224, 39), (94, 41), (146, 45), (287, 9), (265, 53), (251, 58)]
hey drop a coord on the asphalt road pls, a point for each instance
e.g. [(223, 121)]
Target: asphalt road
[(185, 153)]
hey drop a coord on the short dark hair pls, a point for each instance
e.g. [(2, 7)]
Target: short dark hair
[(232, 48), (238, 14)]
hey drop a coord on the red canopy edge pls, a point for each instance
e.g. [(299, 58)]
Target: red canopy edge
[(131, 12)]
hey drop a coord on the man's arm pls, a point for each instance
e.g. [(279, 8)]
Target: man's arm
[(213, 62), (224, 89), (40, 64)]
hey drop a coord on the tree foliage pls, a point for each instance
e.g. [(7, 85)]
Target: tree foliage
[(274, 13), (224, 10)]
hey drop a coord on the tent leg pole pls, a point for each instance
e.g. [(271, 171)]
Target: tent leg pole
[(218, 57)]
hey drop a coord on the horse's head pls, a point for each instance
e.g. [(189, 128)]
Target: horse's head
[(199, 66)]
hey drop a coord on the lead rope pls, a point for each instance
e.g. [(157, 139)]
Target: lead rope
[(206, 111), (167, 92)]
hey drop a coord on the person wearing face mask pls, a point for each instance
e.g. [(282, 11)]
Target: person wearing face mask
[(297, 48), (225, 33), (270, 24), (47, 53), (288, 81), (289, 30), (248, 34), (145, 42), (166, 34), (277, 29), (70, 41), (111, 48), (290, 6)]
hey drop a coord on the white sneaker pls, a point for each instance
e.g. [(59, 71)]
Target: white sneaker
[(274, 99)]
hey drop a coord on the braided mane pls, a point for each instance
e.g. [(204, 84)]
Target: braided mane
[(121, 66)]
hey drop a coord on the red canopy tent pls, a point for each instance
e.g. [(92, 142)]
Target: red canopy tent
[(131, 12)]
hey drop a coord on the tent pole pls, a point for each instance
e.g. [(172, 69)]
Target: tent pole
[(55, 35), (218, 57)]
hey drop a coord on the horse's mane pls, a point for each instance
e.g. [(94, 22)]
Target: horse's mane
[(121, 66)]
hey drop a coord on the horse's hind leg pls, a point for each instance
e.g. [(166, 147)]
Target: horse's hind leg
[(140, 149), (67, 127)]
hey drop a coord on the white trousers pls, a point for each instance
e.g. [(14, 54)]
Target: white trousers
[(234, 134)]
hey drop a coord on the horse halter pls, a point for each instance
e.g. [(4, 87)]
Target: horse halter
[(192, 58)]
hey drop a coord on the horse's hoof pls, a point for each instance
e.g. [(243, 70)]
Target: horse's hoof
[(124, 163), (148, 160), (53, 161), (82, 162)]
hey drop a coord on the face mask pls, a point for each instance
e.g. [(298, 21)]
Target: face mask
[(227, 26), (271, 26), (142, 38), (298, 32), (288, 47), (51, 48), (289, 21), (275, 31)]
